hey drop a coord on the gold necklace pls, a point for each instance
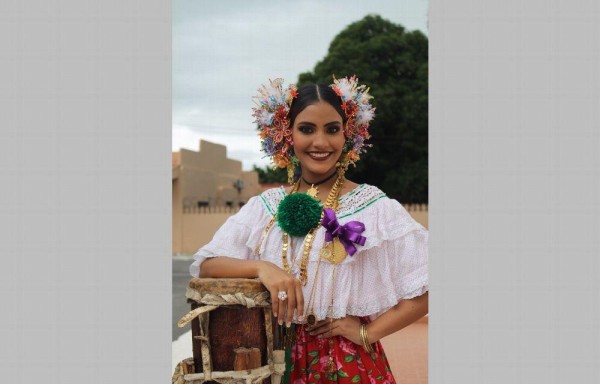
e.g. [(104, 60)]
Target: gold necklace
[(330, 363), (333, 203), (313, 190), (330, 202), (311, 318)]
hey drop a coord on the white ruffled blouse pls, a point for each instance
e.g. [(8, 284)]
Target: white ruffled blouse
[(391, 266)]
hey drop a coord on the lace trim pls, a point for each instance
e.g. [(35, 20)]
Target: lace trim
[(365, 206), (271, 198), (350, 203), (359, 200), (352, 192), (375, 307)]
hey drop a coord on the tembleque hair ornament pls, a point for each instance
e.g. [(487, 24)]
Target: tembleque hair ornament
[(359, 114), (271, 114)]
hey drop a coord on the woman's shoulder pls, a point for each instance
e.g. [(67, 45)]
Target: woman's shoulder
[(368, 202), (257, 207), (269, 199), (362, 197), (272, 192)]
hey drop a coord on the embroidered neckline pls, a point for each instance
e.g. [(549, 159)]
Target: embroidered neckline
[(347, 194), (351, 202)]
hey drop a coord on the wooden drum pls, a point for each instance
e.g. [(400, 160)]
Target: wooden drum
[(232, 331)]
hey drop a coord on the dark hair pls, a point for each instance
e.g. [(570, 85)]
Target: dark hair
[(311, 94)]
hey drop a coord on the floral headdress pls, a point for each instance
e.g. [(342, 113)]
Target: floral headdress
[(359, 113), (273, 107), (271, 113)]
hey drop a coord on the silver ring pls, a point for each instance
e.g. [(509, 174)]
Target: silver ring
[(282, 295)]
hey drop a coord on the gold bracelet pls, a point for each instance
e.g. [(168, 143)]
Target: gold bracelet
[(365, 338)]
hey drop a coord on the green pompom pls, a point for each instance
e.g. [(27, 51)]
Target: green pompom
[(298, 213)]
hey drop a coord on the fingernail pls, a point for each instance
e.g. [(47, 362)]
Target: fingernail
[(275, 314), (288, 324), (301, 318)]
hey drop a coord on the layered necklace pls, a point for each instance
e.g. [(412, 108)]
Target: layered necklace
[(300, 214)]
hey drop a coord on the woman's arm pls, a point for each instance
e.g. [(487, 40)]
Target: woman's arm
[(394, 319), (399, 316), (229, 267), (273, 278)]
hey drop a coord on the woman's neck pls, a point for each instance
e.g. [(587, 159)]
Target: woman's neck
[(323, 185), (318, 180)]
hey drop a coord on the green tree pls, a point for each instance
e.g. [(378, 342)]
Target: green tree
[(268, 175), (393, 62)]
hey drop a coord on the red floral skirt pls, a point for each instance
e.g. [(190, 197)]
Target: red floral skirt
[(352, 364)]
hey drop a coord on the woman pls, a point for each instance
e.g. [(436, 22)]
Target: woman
[(343, 263)]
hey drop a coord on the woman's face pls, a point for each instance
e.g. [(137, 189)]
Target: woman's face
[(318, 137)]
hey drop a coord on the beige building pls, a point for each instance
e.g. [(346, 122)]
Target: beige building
[(208, 178), (206, 186)]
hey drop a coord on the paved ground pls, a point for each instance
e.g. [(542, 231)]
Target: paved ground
[(406, 350), (181, 277)]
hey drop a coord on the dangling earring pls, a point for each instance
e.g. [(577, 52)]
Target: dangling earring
[(342, 165), (294, 170), (290, 172)]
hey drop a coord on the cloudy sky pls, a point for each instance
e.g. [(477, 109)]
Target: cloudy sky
[(224, 50)]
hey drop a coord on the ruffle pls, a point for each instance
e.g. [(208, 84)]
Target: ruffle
[(392, 222), (385, 221), (375, 279), (391, 266), (265, 209), (234, 238)]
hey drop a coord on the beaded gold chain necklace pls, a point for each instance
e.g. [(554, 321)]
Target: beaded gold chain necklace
[(330, 202)]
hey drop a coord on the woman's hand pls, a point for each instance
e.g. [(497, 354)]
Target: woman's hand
[(277, 280), (349, 327), (394, 319)]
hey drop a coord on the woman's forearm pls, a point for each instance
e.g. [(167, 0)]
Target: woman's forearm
[(229, 267), (401, 315), (275, 279)]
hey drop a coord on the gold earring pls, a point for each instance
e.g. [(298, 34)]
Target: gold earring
[(342, 165), (290, 172)]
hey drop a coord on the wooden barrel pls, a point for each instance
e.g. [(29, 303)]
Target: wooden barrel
[(231, 330)]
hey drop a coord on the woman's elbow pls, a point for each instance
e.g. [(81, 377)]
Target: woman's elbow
[(204, 270)]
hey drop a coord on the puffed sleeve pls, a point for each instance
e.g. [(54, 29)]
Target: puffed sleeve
[(233, 238), (392, 266), (400, 251), (398, 256)]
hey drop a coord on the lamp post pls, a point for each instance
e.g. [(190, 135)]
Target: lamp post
[(239, 184)]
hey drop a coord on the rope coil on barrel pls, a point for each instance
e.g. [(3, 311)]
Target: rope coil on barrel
[(213, 301), (259, 300)]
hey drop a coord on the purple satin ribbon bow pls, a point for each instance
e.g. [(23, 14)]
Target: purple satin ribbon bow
[(347, 234)]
